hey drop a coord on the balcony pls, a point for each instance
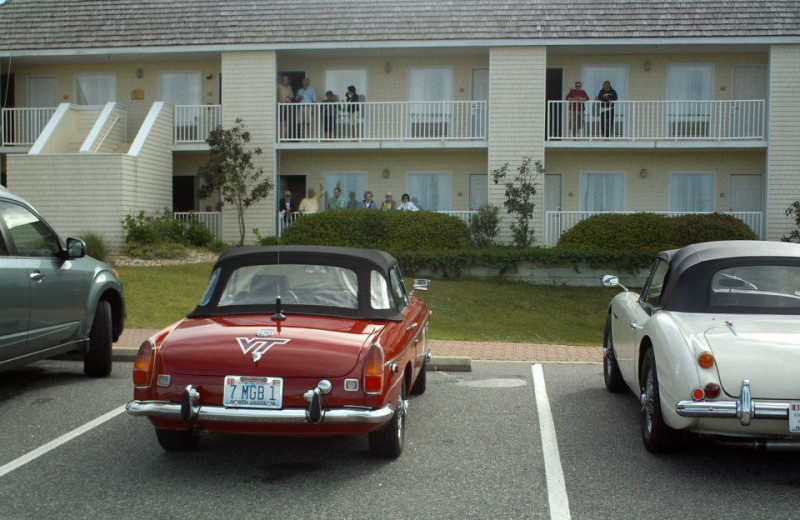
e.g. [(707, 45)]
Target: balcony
[(193, 124), (22, 126), (558, 222), (395, 124), (657, 124)]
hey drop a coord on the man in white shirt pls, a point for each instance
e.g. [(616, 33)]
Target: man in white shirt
[(306, 94)]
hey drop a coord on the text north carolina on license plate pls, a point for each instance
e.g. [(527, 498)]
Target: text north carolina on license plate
[(253, 392), (794, 417)]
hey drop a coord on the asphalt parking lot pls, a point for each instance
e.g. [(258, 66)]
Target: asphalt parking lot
[(474, 449)]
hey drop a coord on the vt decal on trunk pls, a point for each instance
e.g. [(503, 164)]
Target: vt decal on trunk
[(258, 347)]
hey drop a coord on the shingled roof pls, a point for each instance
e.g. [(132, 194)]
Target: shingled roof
[(85, 24)]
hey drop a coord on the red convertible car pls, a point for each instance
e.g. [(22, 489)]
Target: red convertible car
[(301, 341)]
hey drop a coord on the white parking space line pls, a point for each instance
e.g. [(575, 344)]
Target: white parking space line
[(556, 489), (38, 452)]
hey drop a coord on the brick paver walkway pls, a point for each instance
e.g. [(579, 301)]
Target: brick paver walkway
[(483, 350)]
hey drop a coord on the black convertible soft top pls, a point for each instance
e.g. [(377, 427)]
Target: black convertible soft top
[(360, 261), (688, 281)]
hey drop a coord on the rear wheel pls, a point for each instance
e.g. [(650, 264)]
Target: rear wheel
[(388, 441), (177, 440), (420, 383), (611, 374), (97, 361), (656, 435)]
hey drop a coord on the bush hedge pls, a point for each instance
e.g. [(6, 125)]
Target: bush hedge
[(164, 229), (96, 245), (652, 232), (392, 231)]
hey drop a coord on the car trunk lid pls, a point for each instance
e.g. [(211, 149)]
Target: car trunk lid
[(765, 351), (300, 346)]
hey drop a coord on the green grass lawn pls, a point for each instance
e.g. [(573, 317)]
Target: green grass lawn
[(488, 310)]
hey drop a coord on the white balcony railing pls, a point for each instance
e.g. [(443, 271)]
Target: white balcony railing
[(558, 222), (193, 123), (648, 120), (284, 221), (211, 219), (22, 126), (374, 121)]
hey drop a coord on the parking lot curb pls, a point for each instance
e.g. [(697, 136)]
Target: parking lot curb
[(450, 364)]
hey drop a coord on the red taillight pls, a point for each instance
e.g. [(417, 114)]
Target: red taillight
[(712, 390), (144, 364), (698, 394), (373, 370), (705, 360)]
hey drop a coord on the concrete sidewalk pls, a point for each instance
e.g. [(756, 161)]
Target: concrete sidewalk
[(447, 355)]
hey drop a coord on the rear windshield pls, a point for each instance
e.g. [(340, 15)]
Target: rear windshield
[(755, 288), (296, 284)]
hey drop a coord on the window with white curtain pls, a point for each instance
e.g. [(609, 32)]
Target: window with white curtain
[(602, 192), (430, 84), (353, 186), (593, 78), (95, 89), (688, 84), (430, 190), (691, 192), (181, 88), (337, 81), (427, 119)]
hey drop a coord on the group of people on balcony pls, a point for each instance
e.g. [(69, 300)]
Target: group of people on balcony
[(334, 118), (313, 203), (578, 97)]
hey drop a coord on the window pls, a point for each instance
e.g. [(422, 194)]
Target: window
[(428, 120), (30, 235), (353, 186), (338, 80), (653, 295), (95, 89), (398, 287), (691, 192), (3, 247), (749, 288), (689, 83), (430, 191), (378, 291), (603, 192), (181, 88)]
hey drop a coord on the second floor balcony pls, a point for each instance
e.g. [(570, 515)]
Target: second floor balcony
[(22, 126), (654, 123), (401, 124)]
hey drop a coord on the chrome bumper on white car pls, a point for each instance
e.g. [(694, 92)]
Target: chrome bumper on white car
[(745, 408), (190, 410)]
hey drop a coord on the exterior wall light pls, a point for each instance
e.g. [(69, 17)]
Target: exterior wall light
[(647, 66), (386, 173), (643, 173), (139, 73), (387, 67)]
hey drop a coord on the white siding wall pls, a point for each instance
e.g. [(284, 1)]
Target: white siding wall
[(147, 179), (783, 162), (113, 134), (516, 120), (249, 94)]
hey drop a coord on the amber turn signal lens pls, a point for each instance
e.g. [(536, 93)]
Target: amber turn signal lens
[(712, 390), (705, 360), (143, 366), (373, 370)]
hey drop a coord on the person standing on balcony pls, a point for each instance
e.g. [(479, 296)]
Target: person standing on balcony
[(306, 94), (406, 204), (310, 204), (577, 98), (607, 97), (329, 113), (388, 203), (287, 208), (338, 202), (354, 111), (367, 203), (285, 95)]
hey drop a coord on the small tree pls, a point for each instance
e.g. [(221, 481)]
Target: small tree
[(793, 211), (230, 170), (484, 225), (520, 190)]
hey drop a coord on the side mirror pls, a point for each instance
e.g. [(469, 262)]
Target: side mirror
[(421, 284), (610, 280), (76, 248)]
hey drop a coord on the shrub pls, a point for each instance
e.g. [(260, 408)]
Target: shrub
[(391, 231), (652, 232), (793, 211), (96, 245), (164, 228), (484, 225), (158, 251)]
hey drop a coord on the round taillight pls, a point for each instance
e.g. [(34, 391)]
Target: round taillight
[(706, 360), (698, 394), (712, 390), (144, 364)]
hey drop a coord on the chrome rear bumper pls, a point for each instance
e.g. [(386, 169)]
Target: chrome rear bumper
[(745, 409), (168, 410)]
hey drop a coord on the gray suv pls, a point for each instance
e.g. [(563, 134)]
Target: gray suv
[(54, 298)]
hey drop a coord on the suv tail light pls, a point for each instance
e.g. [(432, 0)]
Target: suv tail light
[(373, 370), (144, 365)]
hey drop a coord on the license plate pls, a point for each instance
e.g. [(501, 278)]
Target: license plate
[(794, 417), (253, 392)]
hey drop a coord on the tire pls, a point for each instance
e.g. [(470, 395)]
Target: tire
[(611, 374), (177, 440), (419, 385), (388, 441), (656, 435), (97, 360)]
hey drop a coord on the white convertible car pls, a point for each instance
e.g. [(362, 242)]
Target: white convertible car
[(712, 344)]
